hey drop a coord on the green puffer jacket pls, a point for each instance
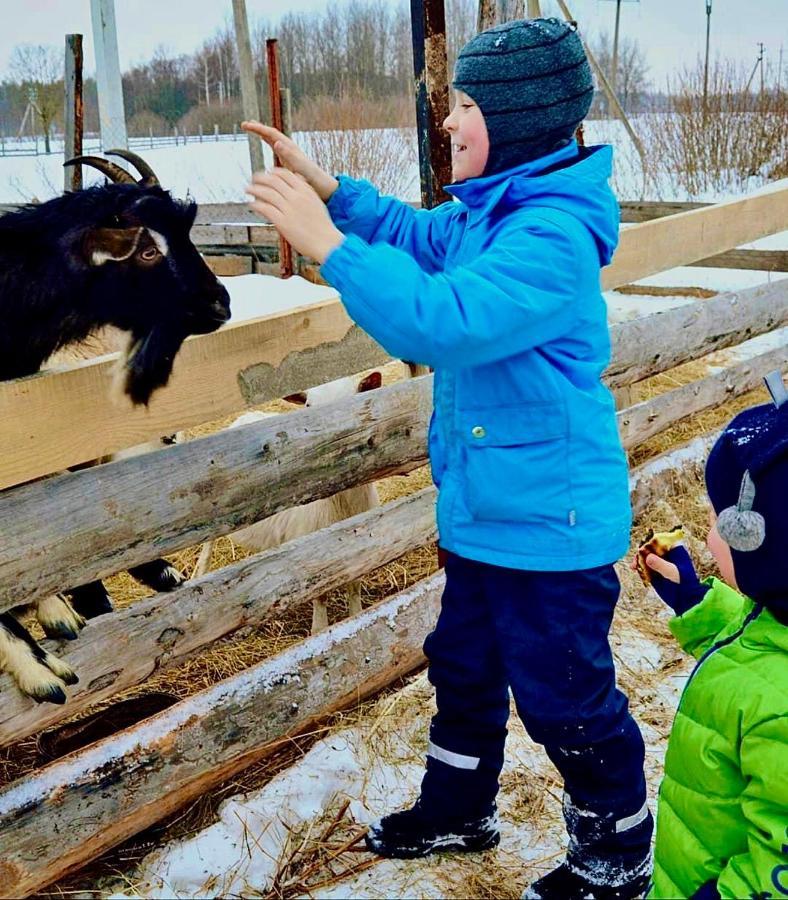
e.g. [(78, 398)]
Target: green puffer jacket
[(723, 804)]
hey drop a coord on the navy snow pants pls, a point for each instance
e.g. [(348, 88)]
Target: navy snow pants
[(545, 636)]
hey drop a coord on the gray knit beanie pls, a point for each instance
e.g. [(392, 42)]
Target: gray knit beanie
[(531, 80)]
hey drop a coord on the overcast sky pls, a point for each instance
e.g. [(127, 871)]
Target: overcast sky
[(671, 32)]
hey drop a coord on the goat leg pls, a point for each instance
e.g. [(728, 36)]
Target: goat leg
[(58, 618), (37, 673), (91, 600), (158, 574)]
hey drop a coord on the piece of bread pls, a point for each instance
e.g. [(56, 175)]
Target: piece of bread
[(658, 543)]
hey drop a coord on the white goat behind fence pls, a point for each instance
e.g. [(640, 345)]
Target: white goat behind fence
[(300, 520)]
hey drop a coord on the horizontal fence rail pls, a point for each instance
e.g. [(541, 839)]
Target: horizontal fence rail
[(72, 528), (116, 652)]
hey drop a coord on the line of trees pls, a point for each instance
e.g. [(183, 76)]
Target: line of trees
[(359, 48)]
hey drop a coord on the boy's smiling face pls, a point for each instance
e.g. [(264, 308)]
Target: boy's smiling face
[(470, 145)]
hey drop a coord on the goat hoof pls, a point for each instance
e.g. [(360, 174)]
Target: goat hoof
[(59, 619), (52, 693), (42, 685), (60, 669), (170, 579), (158, 575)]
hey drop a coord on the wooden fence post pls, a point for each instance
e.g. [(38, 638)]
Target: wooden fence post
[(428, 24), (72, 116), (275, 101)]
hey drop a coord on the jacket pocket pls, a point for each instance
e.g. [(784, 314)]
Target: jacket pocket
[(517, 463)]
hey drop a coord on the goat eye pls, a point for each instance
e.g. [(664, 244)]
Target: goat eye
[(149, 254)]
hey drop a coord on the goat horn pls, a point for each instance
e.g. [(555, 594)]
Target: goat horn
[(113, 172), (149, 178)]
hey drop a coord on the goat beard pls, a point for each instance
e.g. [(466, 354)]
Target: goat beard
[(147, 363)]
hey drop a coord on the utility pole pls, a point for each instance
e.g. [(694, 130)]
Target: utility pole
[(112, 116), (760, 60), (251, 107), (613, 77), (706, 64), (758, 64)]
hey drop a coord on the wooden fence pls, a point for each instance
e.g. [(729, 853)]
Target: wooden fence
[(70, 528)]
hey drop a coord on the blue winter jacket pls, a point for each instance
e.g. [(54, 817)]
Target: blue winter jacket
[(500, 293)]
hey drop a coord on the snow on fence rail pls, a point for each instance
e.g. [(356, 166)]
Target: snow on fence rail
[(74, 527)]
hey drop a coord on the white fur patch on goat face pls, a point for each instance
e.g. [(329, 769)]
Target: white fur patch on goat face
[(99, 257), (160, 241)]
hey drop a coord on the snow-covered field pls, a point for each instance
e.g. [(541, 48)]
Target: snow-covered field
[(216, 172)]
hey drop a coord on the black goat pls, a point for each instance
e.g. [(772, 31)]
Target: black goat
[(117, 255)]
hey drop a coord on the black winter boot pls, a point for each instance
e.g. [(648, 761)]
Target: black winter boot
[(564, 883), (411, 833)]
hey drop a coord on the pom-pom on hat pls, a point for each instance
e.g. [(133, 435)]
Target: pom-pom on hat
[(531, 80), (747, 483)]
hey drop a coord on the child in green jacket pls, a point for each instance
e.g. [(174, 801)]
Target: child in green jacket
[(722, 825)]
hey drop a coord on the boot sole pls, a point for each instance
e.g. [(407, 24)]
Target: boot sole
[(453, 844)]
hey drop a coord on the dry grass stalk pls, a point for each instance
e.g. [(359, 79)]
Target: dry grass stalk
[(740, 133), (347, 134), (308, 863)]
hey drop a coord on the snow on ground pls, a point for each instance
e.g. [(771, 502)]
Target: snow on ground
[(252, 296)]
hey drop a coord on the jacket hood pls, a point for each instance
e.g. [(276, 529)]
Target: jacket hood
[(573, 180)]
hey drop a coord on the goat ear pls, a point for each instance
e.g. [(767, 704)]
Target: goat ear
[(101, 245), (371, 383), (299, 398)]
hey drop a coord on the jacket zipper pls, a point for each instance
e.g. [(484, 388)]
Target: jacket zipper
[(723, 643)]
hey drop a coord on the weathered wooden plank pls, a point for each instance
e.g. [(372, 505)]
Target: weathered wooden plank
[(214, 375), (681, 239), (636, 211), (759, 260), (230, 264), (744, 370), (651, 344), (669, 472), (72, 528), (68, 813), (119, 651)]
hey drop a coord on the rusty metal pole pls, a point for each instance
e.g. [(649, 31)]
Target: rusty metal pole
[(275, 102), (430, 67), (73, 113)]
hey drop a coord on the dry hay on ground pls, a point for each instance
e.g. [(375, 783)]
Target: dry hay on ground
[(652, 290)]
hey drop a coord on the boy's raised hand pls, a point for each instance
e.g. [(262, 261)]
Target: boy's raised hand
[(297, 212), (292, 157)]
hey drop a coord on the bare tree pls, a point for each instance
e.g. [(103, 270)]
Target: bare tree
[(39, 69), (632, 76)]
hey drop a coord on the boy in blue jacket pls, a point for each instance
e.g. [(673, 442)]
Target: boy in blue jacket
[(499, 293)]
